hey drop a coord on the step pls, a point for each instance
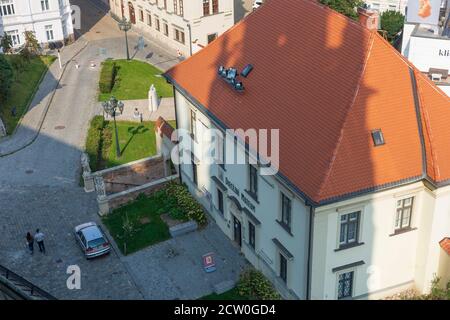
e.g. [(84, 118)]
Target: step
[(183, 228)]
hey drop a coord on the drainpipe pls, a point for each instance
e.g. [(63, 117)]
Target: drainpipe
[(310, 242), (176, 120), (190, 39)]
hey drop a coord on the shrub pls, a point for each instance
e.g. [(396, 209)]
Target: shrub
[(17, 62), (254, 284), (6, 77), (93, 141), (107, 76), (188, 205)]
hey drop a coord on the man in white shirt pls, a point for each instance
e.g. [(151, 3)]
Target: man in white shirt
[(39, 237)]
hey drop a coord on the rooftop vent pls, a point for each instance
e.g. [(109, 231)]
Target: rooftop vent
[(246, 71), (377, 136), (436, 77), (230, 75)]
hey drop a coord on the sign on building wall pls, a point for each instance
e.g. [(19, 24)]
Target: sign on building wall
[(423, 11)]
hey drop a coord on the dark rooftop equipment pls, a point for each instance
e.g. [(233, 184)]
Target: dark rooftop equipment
[(377, 136), (246, 71), (230, 75)]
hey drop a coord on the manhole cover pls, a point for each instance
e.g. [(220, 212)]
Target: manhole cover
[(29, 171), (59, 127), (97, 31)]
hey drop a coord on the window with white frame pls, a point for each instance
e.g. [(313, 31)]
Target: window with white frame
[(45, 5), (349, 227), (283, 268), (345, 284), (7, 7), (15, 38), (404, 213), (49, 32), (286, 208)]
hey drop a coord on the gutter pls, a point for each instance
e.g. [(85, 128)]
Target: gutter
[(310, 248), (176, 120)]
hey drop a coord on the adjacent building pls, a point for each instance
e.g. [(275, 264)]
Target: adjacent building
[(360, 205), (426, 42), (387, 5), (182, 25), (50, 20)]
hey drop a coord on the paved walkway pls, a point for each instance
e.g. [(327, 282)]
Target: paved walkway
[(166, 110), (173, 269)]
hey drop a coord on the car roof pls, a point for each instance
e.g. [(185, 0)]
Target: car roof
[(91, 233)]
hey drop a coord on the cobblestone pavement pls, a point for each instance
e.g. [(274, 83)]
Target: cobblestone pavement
[(56, 210), (173, 269)]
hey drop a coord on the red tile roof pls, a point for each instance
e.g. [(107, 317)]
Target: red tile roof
[(326, 82), (163, 127), (445, 245)]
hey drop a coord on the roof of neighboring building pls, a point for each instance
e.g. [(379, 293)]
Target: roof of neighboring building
[(163, 127), (445, 245), (326, 82)]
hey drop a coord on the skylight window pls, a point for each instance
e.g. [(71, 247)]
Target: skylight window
[(377, 136)]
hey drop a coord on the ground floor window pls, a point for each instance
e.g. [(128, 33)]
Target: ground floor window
[(194, 173), (212, 37), (15, 38), (251, 234), (220, 200), (49, 33), (283, 268), (179, 36), (166, 29), (149, 19), (345, 285)]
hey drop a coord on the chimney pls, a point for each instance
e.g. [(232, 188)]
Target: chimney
[(368, 18)]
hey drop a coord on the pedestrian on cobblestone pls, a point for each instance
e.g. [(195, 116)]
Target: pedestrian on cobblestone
[(30, 242), (39, 236)]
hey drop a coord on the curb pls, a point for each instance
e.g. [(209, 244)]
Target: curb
[(47, 107)]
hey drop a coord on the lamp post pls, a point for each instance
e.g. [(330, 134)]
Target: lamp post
[(110, 108), (125, 26)]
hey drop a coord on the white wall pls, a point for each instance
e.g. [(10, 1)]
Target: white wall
[(30, 17), (392, 262), (266, 254), (427, 53), (384, 5)]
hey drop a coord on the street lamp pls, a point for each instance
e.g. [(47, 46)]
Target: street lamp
[(125, 26), (110, 108)]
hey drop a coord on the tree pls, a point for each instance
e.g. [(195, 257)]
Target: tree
[(6, 77), (346, 7), (392, 22), (6, 43), (32, 46)]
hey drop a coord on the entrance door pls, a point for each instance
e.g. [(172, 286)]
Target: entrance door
[(237, 231), (132, 13)]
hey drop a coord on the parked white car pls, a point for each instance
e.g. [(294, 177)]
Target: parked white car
[(92, 240)]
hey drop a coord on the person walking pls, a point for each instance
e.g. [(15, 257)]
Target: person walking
[(30, 242), (39, 236)]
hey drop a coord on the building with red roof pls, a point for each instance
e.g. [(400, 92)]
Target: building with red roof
[(361, 157)]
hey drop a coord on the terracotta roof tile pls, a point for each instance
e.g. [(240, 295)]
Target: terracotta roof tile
[(445, 244), (326, 82)]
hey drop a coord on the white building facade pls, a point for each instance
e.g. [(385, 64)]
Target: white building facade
[(50, 20), (185, 26), (372, 229), (387, 5)]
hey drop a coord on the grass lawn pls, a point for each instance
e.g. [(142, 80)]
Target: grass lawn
[(232, 294), (23, 88), (133, 80), (144, 217), (136, 141)]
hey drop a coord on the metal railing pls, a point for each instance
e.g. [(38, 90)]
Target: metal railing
[(23, 287)]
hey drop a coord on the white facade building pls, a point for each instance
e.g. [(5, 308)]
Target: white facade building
[(50, 20), (186, 26), (428, 47), (385, 5), (372, 223)]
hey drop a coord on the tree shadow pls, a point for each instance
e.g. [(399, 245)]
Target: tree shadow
[(134, 131)]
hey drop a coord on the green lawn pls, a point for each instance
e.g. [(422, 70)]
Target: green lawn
[(143, 234), (232, 294), (24, 86), (136, 140), (133, 80)]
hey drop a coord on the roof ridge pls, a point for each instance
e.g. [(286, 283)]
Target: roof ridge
[(358, 86)]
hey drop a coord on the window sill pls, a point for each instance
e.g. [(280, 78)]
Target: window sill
[(285, 227), (401, 231), (348, 246), (252, 195)]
